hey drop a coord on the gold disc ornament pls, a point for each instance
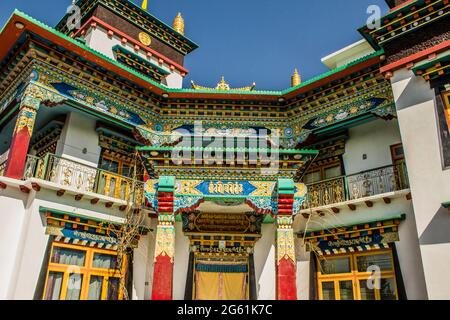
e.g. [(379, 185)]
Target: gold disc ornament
[(145, 38)]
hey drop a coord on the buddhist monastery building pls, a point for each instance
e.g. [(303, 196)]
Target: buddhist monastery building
[(121, 180)]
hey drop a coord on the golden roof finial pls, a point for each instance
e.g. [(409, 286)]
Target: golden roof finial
[(296, 79), (223, 86), (178, 23), (144, 4)]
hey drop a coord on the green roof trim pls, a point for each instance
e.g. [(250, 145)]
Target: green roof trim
[(334, 71), (441, 57), (348, 225), (446, 205), (185, 90), (281, 151)]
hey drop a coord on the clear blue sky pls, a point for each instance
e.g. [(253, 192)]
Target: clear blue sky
[(245, 40)]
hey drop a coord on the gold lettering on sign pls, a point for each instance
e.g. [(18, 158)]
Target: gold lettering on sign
[(233, 188)]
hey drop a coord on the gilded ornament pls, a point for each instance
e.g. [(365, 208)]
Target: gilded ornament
[(296, 79), (178, 23), (145, 38)]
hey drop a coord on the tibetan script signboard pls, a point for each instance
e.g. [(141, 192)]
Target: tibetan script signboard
[(362, 242), (222, 222)]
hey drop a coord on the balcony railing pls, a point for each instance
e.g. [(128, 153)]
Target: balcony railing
[(356, 186), (84, 178)]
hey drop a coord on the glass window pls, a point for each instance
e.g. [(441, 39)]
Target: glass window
[(334, 266), (312, 177), (332, 172), (110, 165), (68, 256), (387, 290), (54, 284), (74, 286), (127, 171), (328, 291), (345, 277), (346, 290), (84, 273), (104, 261), (383, 261), (113, 289), (95, 288), (366, 293)]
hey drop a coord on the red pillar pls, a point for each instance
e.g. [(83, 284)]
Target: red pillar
[(20, 141), (165, 248), (286, 261)]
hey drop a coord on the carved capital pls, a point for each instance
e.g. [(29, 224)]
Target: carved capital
[(34, 95)]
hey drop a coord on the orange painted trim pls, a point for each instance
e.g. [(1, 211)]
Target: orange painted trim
[(10, 35), (225, 96), (102, 23), (401, 5), (415, 57)]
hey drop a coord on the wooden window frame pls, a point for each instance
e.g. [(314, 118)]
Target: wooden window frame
[(87, 271), (322, 170), (354, 275), (395, 158), (120, 162)]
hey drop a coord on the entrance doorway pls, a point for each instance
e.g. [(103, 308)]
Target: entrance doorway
[(224, 278)]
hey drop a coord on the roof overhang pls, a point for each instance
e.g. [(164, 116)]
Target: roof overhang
[(20, 23)]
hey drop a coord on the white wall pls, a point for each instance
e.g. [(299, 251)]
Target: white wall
[(430, 184), (143, 257), (23, 242), (181, 263), (30, 259), (303, 271), (373, 139), (12, 208), (79, 133), (264, 257)]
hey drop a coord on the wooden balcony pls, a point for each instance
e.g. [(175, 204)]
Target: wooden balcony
[(83, 178)]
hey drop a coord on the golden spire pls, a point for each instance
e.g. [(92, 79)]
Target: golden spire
[(144, 4), (178, 23), (296, 79)]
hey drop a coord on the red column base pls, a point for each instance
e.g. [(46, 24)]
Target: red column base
[(286, 280), (162, 278)]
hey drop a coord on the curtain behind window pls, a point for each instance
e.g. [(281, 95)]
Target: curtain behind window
[(95, 288), (74, 287), (54, 284)]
